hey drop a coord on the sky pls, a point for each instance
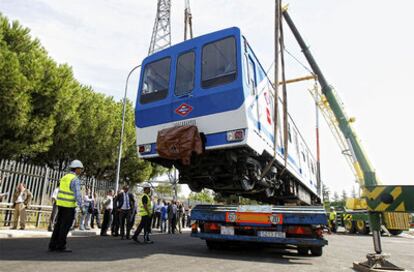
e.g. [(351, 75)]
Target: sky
[(364, 48)]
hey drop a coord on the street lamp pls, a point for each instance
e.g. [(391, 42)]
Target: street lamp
[(118, 167)]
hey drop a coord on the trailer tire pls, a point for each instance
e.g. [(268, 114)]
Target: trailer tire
[(395, 232), (361, 227), (316, 251), (303, 251), (350, 226)]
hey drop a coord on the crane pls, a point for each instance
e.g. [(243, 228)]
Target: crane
[(379, 198)]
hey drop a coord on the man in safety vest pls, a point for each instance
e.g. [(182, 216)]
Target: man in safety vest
[(145, 211), (69, 194), (332, 220)]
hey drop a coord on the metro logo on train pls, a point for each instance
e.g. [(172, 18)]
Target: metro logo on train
[(216, 83)]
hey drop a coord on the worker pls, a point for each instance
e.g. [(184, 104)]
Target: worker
[(69, 194), (332, 220), (145, 211)]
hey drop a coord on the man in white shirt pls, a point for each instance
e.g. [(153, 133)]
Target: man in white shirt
[(107, 218), (157, 215), (54, 208)]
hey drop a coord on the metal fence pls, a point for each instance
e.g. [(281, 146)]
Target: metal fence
[(41, 181)]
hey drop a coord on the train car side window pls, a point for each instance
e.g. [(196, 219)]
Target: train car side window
[(252, 76), (219, 64), (184, 81), (156, 81)]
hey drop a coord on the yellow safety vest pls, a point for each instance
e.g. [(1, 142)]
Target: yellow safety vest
[(142, 211), (332, 216), (66, 197)]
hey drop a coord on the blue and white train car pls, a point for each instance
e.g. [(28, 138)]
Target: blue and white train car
[(216, 83)]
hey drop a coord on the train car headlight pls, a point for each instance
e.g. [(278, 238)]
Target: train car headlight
[(144, 148), (235, 135)]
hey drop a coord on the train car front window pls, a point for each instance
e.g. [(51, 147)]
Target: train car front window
[(184, 82), (156, 81), (219, 63)]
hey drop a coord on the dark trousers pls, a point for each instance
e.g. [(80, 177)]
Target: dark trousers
[(53, 215), (124, 217), (115, 223), (144, 224), (156, 218), (60, 232), (106, 221), (96, 216)]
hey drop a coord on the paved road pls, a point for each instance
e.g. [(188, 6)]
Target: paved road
[(183, 253)]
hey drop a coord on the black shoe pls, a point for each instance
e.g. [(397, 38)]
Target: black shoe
[(136, 240), (50, 249), (104, 234), (64, 250), (128, 238), (148, 241)]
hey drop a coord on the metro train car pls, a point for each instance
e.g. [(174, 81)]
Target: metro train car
[(216, 84)]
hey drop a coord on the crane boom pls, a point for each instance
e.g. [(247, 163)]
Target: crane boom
[(349, 139)]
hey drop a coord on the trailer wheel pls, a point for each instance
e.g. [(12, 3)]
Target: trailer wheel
[(361, 227), (350, 226), (395, 232), (303, 251), (316, 251)]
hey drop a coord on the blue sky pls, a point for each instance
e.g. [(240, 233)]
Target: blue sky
[(365, 49)]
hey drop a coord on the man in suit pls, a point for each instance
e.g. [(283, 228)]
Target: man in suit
[(126, 203)]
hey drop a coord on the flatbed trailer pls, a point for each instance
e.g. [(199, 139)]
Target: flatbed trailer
[(286, 226)]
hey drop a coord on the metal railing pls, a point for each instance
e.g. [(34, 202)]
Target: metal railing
[(41, 181)]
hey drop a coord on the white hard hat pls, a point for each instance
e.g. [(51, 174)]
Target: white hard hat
[(76, 164), (146, 185)]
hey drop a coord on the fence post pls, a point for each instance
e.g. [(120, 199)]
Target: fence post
[(44, 188)]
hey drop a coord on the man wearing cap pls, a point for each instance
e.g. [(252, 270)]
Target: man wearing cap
[(145, 211), (69, 194)]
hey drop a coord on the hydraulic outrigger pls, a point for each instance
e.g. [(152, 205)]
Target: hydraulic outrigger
[(379, 198)]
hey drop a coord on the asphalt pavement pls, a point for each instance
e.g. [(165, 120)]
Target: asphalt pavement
[(181, 252)]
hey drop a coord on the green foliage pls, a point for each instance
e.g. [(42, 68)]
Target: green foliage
[(205, 196), (48, 117)]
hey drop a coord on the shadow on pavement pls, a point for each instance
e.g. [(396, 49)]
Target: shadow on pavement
[(96, 249)]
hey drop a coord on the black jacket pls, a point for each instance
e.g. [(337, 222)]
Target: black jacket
[(120, 200)]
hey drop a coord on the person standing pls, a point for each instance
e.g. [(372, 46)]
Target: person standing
[(157, 215), (164, 217), (53, 214), (88, 208), (332, 220), (96, 213), (145, 211), (173, 217), (69, 195), (107, 217), (125, 204), (115, 215), (21, 200), (180, 214)]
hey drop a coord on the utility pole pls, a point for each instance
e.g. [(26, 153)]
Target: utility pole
[(161, 33), (188, 20)]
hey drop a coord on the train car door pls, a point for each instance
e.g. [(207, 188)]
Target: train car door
[(254, 108), (183, 100)]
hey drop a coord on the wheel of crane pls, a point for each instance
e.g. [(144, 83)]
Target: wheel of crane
[(362, 227), (350, 226)]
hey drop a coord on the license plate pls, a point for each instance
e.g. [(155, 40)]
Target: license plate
[(226, 230), (271, 234)]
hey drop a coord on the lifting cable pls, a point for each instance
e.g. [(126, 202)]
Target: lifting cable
[(285, 112), (278, 16)]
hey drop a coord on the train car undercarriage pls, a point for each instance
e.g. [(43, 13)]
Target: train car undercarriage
[(239, 172)]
